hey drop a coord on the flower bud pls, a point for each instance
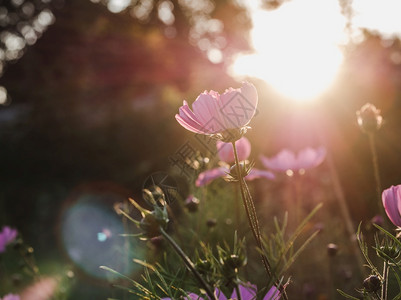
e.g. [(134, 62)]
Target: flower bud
[(235, 261), (244, 169), (369, 118), (204, 267), (192, 203), (153, 221), (16, 279), (157, 241), (18, 244), (211, 223), (332, 249), (372, 284), (391, 251), (154, 196)]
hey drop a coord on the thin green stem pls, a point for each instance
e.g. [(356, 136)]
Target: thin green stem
[(253, 220), (237, 208), (239, 296), (342, 202), (244, 199), (189, 264), (385, 281)]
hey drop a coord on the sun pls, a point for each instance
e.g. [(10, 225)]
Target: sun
[(296, 48)]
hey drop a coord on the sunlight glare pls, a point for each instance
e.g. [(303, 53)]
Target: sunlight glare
[(378, 15), (296, 48)]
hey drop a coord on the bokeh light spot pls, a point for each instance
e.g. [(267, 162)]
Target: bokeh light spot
[(215, 56), (90, 232), (116, 6), (165, 12), (289, 173), (3, 95), (46, 18), (101, 237)]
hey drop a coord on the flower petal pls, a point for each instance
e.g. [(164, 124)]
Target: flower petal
[(191, 296), (226, 152), (219, 294), (189, 126), (207, 111), (272, 294), (247, 292), (188, 119), (238, 106), (11, 297), (248, 90), (208, 176), (9, 234), (309, 158), (283, 161), (391, 202), (256, 173)]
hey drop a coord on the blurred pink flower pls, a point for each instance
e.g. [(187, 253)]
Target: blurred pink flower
[(286, 160), (213, 113), (391, 198), (10, 297), (208, 176), (7, 235), (44, 289), (248, 292), (377, 219), (226, 152)]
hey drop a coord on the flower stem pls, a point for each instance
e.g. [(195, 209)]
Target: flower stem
[(239, 296), (249, 208), (342, 201), (189, 264), (385, 280), (376, 172), (253, 219)]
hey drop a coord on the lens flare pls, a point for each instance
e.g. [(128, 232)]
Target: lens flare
[(90, 232)]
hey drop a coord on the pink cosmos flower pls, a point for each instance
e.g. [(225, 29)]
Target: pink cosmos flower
[(248, 292), (226, 154), (213, 113), (287, 160), (10, 297), (7, 235), (391, 198)]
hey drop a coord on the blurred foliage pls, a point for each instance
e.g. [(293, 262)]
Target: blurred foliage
[(92, 99)]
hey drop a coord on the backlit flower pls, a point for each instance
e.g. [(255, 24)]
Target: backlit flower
[(287, 160), (225, 115), (391, 198), (7, 235), (226, 154), (248, 292)]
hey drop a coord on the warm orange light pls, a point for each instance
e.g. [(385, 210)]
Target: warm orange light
[(296, 48)]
